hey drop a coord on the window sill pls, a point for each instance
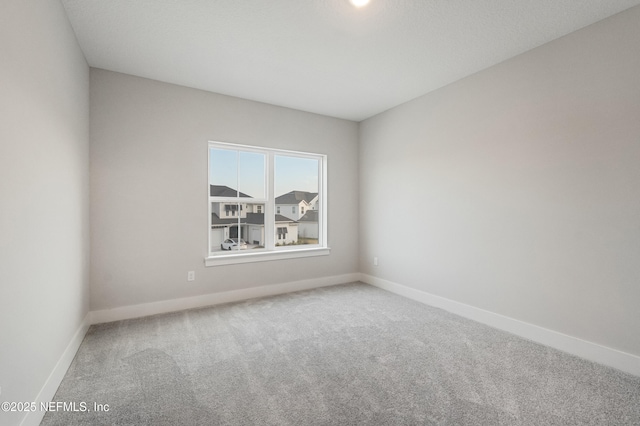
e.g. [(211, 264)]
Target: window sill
[(264, 256)]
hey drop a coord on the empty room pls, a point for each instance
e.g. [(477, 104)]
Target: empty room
[(319, 212)]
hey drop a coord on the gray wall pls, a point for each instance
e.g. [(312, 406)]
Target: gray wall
[(149, 188), (519, 187), (44, 194)]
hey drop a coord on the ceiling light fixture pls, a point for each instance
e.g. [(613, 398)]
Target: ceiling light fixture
[(359, 3)]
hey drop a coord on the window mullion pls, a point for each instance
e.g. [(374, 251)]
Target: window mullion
[(322, 209), (269, 214)]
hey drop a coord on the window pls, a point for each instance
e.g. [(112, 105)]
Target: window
[(247, 188), (282, 233)]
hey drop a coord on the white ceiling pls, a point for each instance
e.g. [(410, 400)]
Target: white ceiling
[(322, 56)]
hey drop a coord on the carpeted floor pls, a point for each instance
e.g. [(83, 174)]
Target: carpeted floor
[(343, 355)]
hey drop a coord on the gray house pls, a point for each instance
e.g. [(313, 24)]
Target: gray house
[(295, 204), (308, 225), (245, 220)]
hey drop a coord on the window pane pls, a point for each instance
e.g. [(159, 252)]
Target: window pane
[(236, 226), (297, 201), (231, 171), (251, 177), (223, 172)]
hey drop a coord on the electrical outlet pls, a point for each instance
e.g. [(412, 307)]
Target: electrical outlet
[(191, 276), (375, 261)]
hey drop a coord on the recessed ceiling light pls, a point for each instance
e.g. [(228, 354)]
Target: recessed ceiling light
[(359, 3)]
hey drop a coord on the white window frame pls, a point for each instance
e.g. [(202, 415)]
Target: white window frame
[(271, 252)]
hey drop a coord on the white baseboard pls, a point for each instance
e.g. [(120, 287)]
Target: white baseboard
[(52, 383), (592, 351), (146, 309)]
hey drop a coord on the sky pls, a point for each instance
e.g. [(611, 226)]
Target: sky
[(245, 171)]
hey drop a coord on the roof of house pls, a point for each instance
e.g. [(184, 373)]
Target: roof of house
[(215, 220), (258, 218), (309, 216), (225, 191), (294, 197), (252, 218)]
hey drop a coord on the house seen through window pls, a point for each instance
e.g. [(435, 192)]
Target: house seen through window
[(264, 200)]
